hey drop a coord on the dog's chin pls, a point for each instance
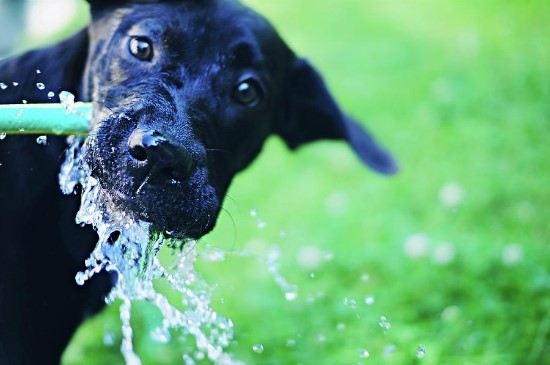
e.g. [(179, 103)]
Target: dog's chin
[(179, 215)]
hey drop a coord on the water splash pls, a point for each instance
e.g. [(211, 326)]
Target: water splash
[(128, 248), (421, 352), (273, 266), (384, 323), (42, 140), (352, 303), (67, 100), (363, 353), (390, 349), (258, 348)]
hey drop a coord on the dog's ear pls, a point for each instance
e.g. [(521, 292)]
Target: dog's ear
[(310, 113)]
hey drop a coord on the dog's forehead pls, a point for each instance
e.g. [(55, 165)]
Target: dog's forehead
[(211, 26), (195, 18)]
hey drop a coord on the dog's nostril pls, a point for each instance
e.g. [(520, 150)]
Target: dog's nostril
[(141, 141), (161, 160), (138, 152), (136, 146)]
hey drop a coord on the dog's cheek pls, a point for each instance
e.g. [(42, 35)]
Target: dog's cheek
[(243, 133)]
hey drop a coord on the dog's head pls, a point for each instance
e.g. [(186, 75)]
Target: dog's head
[(186, 93)]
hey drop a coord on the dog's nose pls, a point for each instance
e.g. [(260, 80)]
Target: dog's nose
[(160, 158)]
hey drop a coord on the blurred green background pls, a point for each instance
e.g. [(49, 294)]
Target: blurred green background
[(453, 252)]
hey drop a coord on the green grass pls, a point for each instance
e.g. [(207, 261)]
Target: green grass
[(460, 93)]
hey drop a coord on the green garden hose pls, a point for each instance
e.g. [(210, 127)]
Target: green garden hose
[(45, 118)]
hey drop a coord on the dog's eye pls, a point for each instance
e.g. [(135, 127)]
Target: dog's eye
[(247, 92), (141, 48)]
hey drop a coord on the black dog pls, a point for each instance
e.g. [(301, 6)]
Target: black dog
[(185, 93)]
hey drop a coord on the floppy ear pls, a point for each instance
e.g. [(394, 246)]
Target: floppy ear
[(310, 113)]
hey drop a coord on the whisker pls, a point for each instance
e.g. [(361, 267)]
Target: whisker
[(143, 183)]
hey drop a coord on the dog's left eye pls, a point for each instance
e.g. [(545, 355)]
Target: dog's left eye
[(247, 92), (141, 48)]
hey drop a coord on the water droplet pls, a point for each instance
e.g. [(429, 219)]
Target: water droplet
[(291, 293), (421, 352), (160, 335), (363, 354), (337, 203), (312, 275), (321, 337), (282, 234), (309, 257), (369, 300), (15, 83), (38, 71), (23, 101), (329, 256), (109, 338), (291, 342), (254, 213), (2, 136), (51, 94), (81, 278), (365, 277), (444, 253), (40, 86), (350, 303), (214, 255), (389, 349), (3, 86), (341, 326), (67, 100), (258, 348), (451, 195), (261, 224), (416, 246), (188, 360), (384, 323), (42, 140), (450, 313), (512, 254)]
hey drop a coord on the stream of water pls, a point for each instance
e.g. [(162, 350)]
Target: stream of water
[(129, 248)]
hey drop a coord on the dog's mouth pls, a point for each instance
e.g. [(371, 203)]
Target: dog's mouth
[(183, 210), (143, 174)]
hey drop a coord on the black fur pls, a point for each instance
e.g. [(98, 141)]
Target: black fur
[(185, 93)]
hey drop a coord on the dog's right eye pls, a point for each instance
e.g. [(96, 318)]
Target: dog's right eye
[(141, 48)]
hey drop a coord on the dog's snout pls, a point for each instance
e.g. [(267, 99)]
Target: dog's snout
[(158, 157)]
